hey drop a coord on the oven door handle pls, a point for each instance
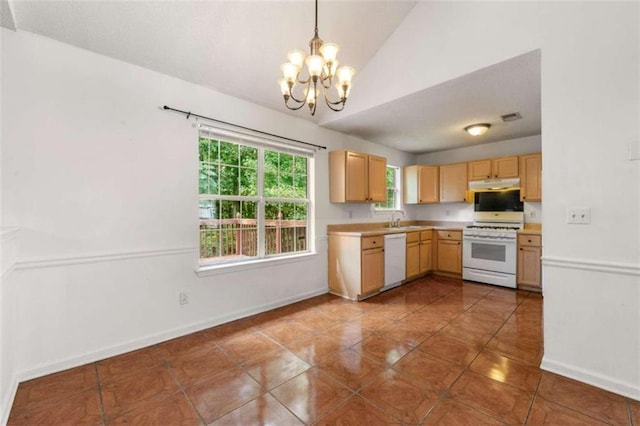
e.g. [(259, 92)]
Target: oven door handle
[(489, 239)]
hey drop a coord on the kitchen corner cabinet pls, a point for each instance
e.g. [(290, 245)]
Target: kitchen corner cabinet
[(421, 184), (355, 177), (531, 177), (419, 253), (453, 183), (529, 270), (492, 168), (356, 265), (449, 252)]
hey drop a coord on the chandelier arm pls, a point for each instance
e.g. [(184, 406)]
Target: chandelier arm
[(329, 104), (303, 101), (293, 108)]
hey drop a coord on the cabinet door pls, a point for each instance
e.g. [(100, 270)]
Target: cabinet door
[(372, 264), (505, 167), (531, 177), (450, 256), (425, 256), (356, 176), (529, 266), (479, 170), (377, 179), (428, 184), (413, 259), (453, 183)]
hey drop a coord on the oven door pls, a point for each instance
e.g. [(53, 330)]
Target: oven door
[(489, 254)]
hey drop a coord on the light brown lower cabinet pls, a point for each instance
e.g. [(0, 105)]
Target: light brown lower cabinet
[(449, 252), (529, 275), (419, 253), (349, 277)]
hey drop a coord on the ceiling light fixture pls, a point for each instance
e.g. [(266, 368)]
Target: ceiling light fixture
[(478, 129), (322, 68)]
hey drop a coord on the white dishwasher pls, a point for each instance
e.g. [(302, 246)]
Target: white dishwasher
[(395, 254)]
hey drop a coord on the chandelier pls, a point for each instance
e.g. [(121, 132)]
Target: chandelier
[(321, 70)]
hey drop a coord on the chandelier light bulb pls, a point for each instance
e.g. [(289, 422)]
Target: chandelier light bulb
[(329, 51), (284, 86), (345, 74), (289, 71), (296, 57), (341, 90), (311, 95), (314, 64)]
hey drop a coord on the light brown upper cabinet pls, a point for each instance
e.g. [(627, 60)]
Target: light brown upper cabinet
[(531, 177), (453, 183), (421, 184), (355, 177), (491, 168)]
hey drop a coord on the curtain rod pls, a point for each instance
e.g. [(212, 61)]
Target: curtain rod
[(190, 114)]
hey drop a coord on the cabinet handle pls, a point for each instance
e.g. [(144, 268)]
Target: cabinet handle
[(528, 240), (488, 176), (520, 248), (458, 243), (524, 197), (420, 200)]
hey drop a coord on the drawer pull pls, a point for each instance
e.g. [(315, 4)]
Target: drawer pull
[(529, 241), (520, 248)]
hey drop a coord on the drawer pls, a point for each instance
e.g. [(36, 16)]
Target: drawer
[(530, 240), (413, 237), (372, 242), (450, 235), (426, 235)]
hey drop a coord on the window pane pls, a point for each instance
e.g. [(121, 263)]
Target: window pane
[(249, 157), (270, 185), (231, 234), (286, 163), (300, 184), (229, 180), (391, 177), (203, 150), (286, 227), (270, 162), (229, 153), (300, 165), (248, 182), (286, 186)]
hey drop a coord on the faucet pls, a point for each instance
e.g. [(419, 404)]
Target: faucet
[(396, 223)]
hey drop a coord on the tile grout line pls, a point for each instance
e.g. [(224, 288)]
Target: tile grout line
[(104, 416)]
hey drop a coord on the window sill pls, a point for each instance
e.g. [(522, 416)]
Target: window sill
[(210, 270)]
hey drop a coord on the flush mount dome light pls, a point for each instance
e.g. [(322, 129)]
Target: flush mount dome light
[(478, 129)]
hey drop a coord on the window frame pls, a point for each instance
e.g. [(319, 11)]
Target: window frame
[(397, 193), (261, 145)]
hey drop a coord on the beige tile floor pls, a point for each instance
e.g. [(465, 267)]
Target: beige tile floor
[(436, 351)]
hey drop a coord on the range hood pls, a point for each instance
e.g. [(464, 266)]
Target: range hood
[(494, 184)]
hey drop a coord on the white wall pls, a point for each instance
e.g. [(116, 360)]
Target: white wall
[(590, 110), (102, 184)]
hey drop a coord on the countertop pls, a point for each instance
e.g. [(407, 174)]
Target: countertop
[(382, 228)]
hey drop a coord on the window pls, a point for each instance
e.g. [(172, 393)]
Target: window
[(254, 199), (393, 190)]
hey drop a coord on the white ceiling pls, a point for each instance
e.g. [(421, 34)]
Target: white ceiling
[(236, 47)]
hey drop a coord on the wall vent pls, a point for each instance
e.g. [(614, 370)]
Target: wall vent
[(511, 117)]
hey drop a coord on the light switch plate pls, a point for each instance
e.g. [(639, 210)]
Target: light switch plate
[(579, 215)]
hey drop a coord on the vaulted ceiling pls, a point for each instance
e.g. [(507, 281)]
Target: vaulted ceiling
[(236, 47)]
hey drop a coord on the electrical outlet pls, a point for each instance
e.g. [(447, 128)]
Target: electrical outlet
[(184, 298), (579, 215)]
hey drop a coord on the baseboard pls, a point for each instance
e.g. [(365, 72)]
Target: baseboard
[(629, 390), (75, 361), (7, 402)]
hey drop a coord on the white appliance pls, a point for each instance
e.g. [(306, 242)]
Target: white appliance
[(395, 255), (489, 248)]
